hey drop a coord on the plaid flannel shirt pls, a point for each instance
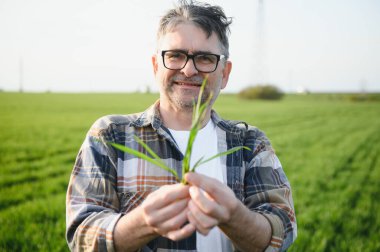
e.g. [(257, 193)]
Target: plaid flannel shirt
[(106, 183)]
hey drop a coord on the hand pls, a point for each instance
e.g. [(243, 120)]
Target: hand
[(212, 202), (165, 211)]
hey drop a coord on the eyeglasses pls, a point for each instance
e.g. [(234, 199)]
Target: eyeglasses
[(203, 62)]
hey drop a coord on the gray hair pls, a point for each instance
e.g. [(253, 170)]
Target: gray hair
[(209, 18)]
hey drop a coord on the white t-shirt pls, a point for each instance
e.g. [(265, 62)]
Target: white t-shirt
[(206, 145)]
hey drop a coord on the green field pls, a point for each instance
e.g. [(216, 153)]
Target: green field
[(329, 148)]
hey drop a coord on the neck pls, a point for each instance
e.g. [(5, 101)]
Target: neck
[(180, 119)]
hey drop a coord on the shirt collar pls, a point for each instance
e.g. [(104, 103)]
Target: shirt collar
[(152, 117), (234, 127)]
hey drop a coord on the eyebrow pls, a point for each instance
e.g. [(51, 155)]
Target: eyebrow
[(195, 52)]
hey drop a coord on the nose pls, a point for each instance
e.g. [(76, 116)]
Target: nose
[(189, 69)]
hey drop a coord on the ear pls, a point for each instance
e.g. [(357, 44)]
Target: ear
[(155, 63), (226, 73)]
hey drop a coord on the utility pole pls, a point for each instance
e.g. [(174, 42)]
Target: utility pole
[(259, 45), (21, 75)]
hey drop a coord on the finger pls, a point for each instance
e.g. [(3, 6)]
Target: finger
[(206, 203), (154, 217), (203, 222), (174, 223), (181, 233), (195, 223), (166, 195), (218, 191), (210, 185)]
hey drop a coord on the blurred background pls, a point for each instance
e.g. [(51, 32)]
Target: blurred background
[(64, 64), (106, 46)]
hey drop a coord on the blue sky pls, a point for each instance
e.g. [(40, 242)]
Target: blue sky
[(106, 45)]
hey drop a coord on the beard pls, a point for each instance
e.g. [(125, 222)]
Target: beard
[(186, 98)]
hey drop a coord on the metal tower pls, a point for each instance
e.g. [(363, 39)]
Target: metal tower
[(21, 75), (259, 70)]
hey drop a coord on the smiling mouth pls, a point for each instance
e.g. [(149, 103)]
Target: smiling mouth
[(188, 84)]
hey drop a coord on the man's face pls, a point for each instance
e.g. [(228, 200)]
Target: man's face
[(179, 88)]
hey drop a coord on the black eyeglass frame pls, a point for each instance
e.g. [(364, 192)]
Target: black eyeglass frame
[(192, 56)]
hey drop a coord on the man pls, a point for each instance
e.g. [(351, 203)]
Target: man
[(243, 201)]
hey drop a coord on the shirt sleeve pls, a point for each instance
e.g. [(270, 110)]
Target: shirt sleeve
[(268, 192), (92, 206)]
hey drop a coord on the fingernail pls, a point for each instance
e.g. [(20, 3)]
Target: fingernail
[(187, 177)]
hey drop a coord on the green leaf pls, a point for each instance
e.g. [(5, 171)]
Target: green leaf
[(225, 153), (204, 82), (198, 114), (147, 148), (197, 164), (145, 157)]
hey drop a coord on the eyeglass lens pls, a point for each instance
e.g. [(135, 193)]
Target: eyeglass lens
[(177, 60)]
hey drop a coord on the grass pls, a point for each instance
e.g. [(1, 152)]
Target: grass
[(329, 147)]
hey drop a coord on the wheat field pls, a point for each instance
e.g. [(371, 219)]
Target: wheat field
[(329, 147)]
